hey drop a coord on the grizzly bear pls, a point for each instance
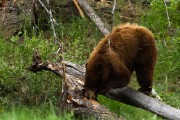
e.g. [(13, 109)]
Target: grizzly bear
[(127, 48)]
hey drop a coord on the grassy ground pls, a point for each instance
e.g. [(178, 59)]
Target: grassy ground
[(79, 37)]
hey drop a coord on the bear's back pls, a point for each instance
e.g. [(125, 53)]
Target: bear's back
[(126, 40)]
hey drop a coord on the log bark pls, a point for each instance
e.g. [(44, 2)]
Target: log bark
[(81, 106)]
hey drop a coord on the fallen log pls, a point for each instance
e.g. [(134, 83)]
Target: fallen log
[(76, 101), (132, 97), (81, 106)]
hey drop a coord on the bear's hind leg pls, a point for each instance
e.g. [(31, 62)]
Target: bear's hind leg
[(145, 78)]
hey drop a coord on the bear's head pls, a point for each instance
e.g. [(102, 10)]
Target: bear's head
[(98, 71)]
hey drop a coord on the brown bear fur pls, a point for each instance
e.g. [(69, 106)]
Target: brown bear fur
[(131, 48)]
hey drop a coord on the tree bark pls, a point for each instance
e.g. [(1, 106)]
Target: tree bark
[(83, 107)]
